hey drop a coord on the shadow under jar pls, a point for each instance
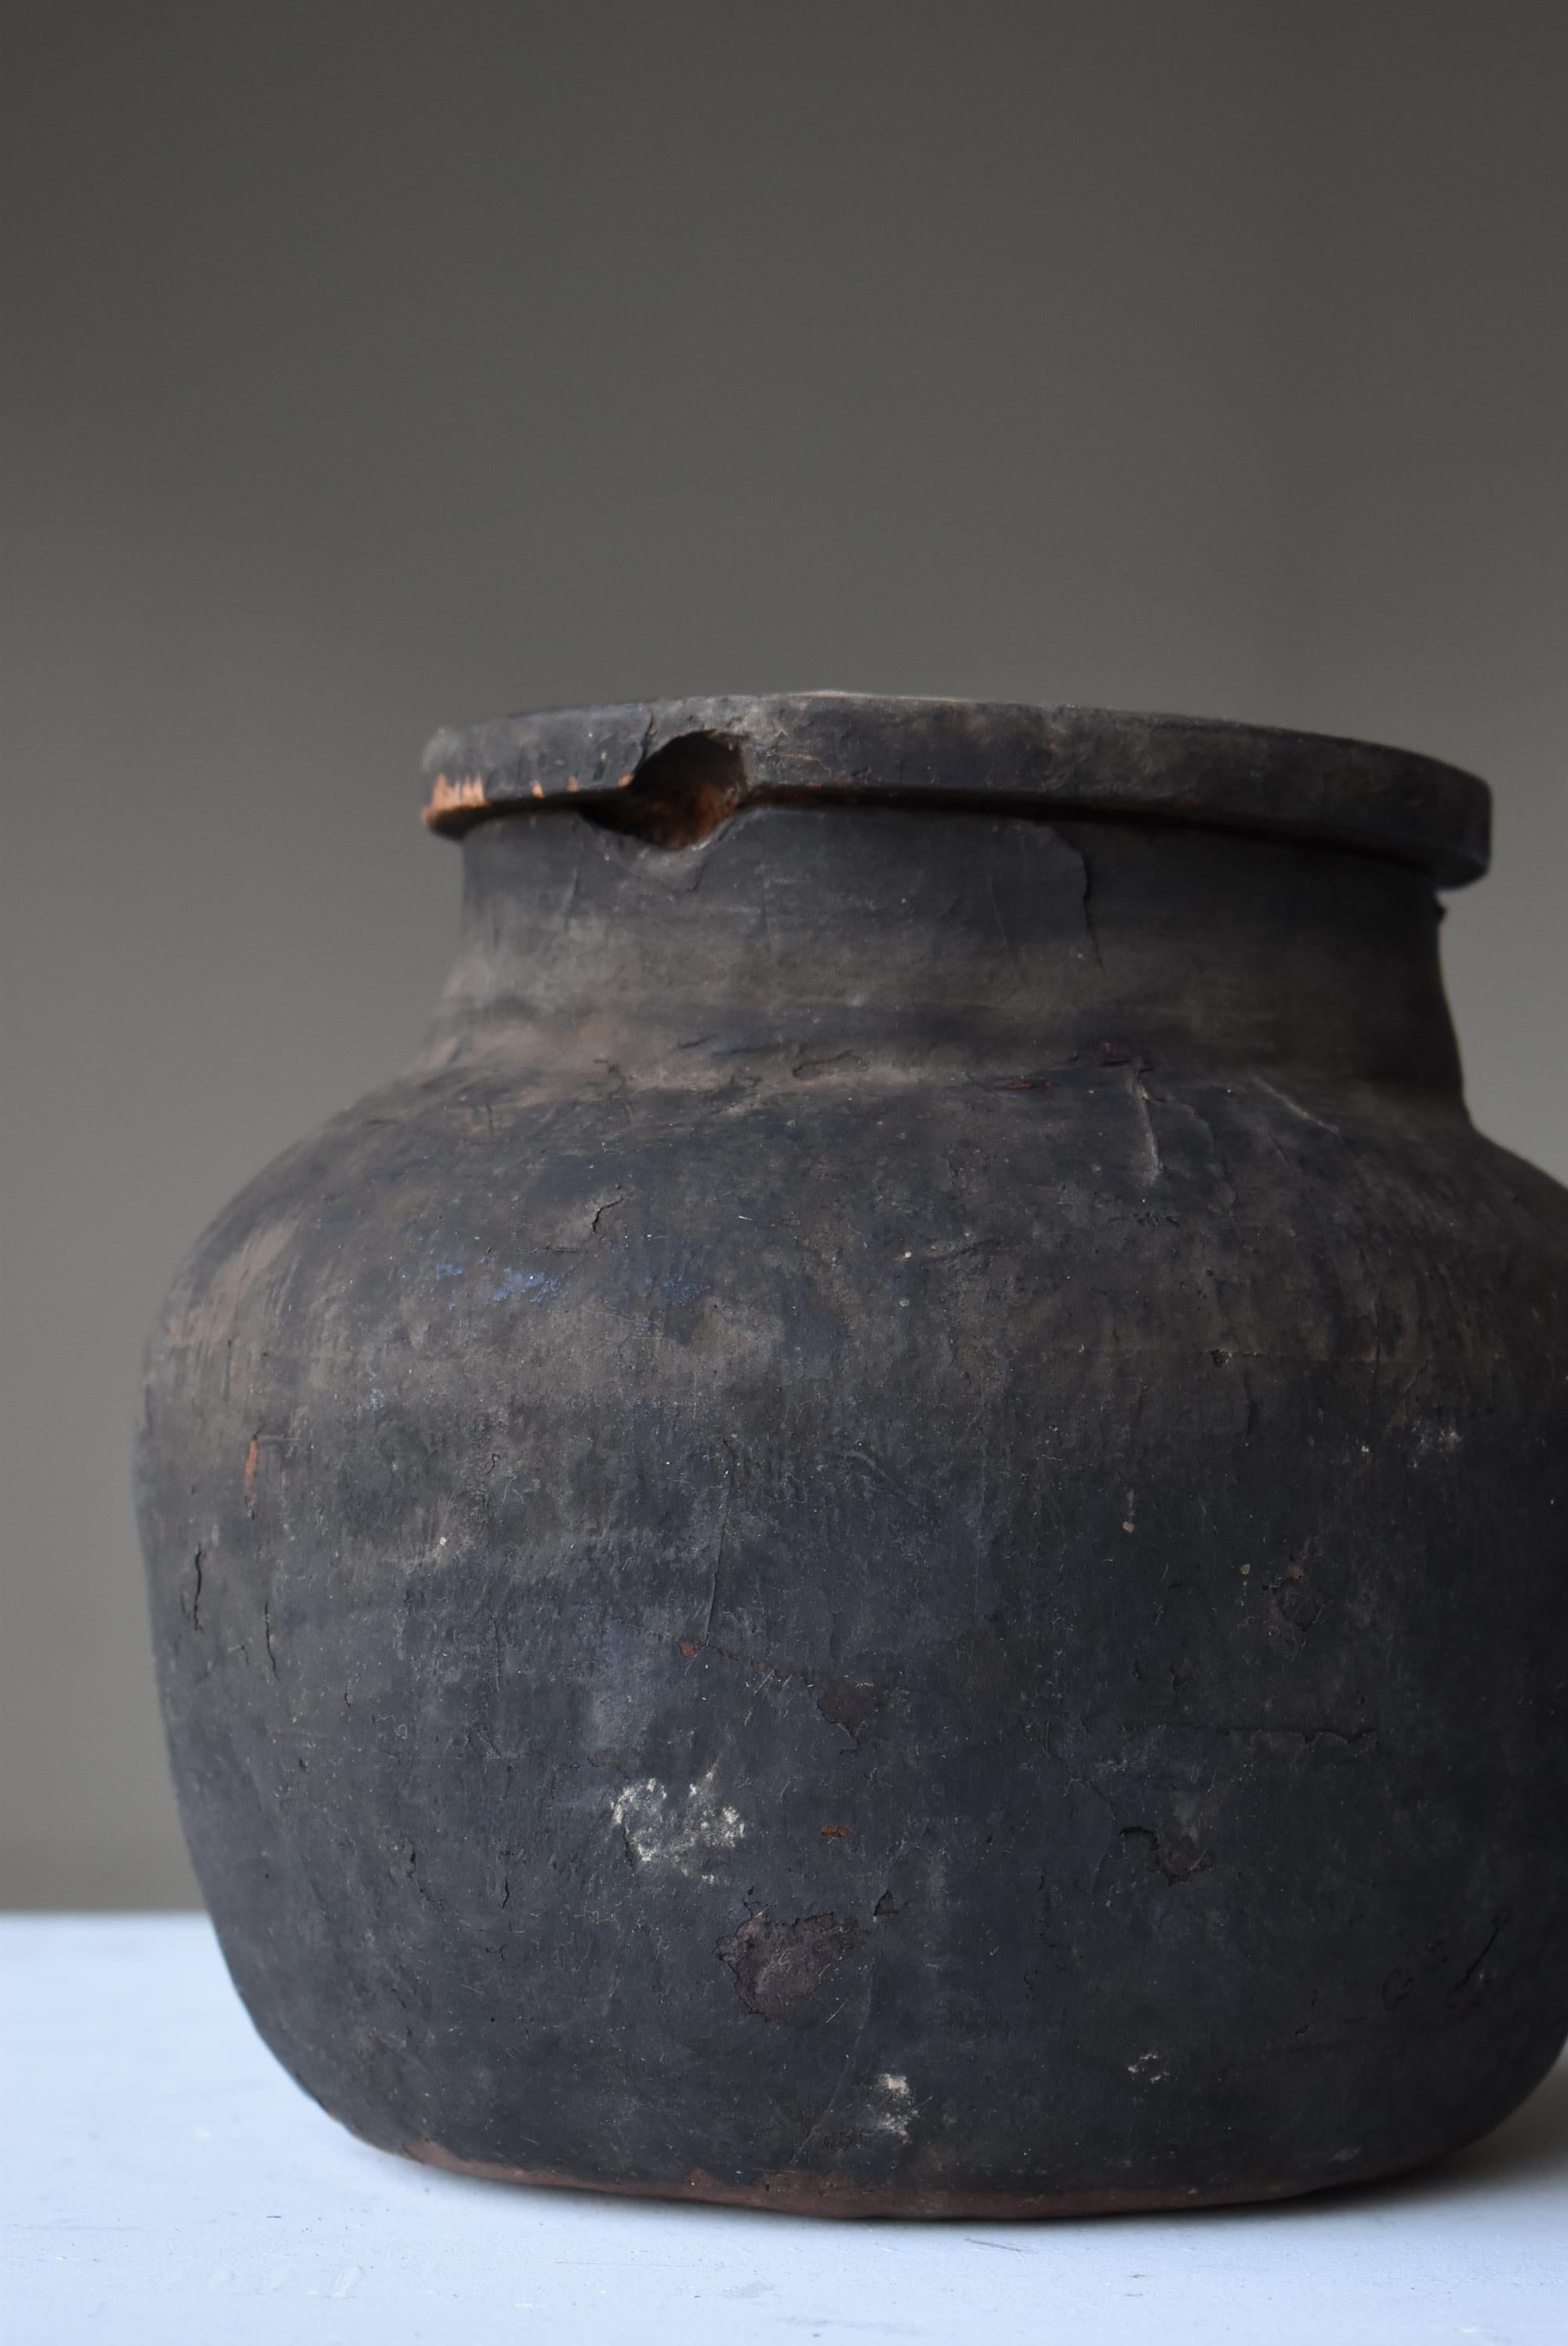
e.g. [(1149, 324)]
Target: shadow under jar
[(891, 1541)]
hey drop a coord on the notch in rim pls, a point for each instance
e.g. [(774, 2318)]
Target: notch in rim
[(1008, 757)]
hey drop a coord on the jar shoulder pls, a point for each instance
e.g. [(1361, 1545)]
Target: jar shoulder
[(1114, 1198)]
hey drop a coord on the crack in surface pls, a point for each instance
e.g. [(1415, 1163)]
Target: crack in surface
[(1499, 1925), (1156, 1162), (1295, 1107)]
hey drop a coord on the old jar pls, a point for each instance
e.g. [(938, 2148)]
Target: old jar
[(892, 1539)]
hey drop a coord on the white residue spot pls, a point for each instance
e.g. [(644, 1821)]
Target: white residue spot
[(892, 2107), (682, 1830)]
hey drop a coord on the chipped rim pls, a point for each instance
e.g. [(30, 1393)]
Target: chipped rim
[(862, 748)]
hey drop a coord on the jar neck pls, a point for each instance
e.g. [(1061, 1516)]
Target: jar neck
[(971, 944)]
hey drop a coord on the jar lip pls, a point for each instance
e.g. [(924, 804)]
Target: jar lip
[(837, 746)]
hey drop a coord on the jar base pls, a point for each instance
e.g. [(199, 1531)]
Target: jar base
[(841, 2195)]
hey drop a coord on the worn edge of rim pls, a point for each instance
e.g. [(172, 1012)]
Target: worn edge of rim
[(1270, 780)]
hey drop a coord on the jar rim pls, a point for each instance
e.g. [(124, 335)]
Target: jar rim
[(824, 747)]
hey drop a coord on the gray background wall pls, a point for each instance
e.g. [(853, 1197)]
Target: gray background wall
[(372, 365)]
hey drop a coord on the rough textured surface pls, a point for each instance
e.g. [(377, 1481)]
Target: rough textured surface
[(892, 1539), (849, 746)]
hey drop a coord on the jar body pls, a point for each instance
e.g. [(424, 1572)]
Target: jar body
[(917, 1572)]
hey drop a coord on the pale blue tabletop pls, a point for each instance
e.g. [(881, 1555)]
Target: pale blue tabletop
[(166, 2185)]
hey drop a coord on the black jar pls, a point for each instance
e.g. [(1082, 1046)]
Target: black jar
[(891, 1541)]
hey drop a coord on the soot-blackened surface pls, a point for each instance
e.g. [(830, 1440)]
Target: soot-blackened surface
[(891, 1590)]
